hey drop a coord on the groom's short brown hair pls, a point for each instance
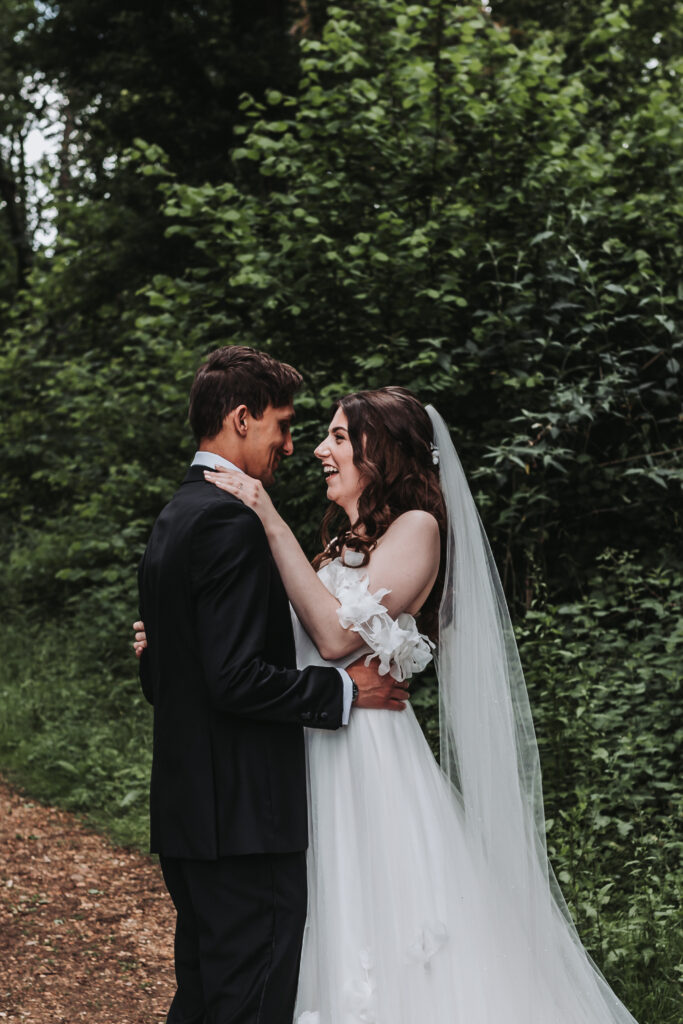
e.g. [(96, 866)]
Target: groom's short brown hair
[(236, 375)]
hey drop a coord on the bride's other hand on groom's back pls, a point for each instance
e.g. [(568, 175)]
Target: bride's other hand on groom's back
[(375, 691), (140, 642)]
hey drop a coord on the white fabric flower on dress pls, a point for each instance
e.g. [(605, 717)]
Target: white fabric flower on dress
[(401, 648), (360, 993), (428, 941)]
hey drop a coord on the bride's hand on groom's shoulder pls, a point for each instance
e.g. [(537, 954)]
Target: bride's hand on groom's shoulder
[(140, 642), (246, 488), (380, 692)]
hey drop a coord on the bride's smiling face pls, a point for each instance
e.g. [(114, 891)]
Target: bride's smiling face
[(343, 478)]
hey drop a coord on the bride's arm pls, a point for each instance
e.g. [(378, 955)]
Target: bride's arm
[(405, 562)]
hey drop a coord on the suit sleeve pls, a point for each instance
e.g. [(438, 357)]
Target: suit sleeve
[(231, 571), (143, 662)]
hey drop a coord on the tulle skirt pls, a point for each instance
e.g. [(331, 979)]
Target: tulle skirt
[(405, 924)]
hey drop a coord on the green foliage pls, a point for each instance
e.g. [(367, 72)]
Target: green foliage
[(605, 682), (170, 72), (608, 665), (15, 178), (444, 205), (75, 727), (444, 208)]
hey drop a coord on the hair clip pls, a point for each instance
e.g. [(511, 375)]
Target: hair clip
[(435, 454)]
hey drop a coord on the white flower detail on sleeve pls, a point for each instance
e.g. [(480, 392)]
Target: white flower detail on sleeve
[(401, 648)]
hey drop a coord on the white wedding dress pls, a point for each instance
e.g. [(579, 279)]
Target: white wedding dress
[(406, 925)]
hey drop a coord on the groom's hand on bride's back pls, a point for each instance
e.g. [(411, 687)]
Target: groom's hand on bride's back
[(376, 691)]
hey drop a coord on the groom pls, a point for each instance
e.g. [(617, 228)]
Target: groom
[(228, 790)]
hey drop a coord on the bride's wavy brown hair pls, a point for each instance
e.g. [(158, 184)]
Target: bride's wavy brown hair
[(391, 436)]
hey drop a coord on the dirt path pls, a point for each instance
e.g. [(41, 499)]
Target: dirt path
[(85, 927)]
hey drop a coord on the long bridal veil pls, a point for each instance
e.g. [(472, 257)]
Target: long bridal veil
[(489, 752)]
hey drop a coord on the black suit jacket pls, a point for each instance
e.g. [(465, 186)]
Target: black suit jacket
[(228, 771)]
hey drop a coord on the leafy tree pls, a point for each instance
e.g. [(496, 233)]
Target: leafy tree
[(445, 203), (15, 112), (168, 72), (172, 72), (443, 208)]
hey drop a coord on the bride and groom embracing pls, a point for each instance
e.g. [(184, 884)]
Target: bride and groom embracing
[(425, 895)]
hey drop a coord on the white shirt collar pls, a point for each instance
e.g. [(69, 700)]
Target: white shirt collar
[(210, 460)]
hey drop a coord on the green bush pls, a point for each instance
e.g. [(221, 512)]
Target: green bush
[(75, 728), (605, 682)]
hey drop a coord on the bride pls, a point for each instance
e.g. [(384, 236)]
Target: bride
[(431, 900)]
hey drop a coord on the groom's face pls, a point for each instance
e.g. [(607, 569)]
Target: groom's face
[(268, 440)]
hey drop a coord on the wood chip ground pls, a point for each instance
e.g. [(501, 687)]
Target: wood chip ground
[(86, 928)]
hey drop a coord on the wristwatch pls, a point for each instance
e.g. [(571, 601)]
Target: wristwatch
[(354, 692)]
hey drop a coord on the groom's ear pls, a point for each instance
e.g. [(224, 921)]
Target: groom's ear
[(237, 420)]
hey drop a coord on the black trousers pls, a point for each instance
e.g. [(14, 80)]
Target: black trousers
[(239, 930)]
